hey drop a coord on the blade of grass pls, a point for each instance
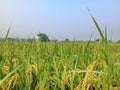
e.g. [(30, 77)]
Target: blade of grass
[(85, 71), (7, 34), (87, 46), (105, 34), (97, 26)]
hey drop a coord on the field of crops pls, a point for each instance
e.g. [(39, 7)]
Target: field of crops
[(59, 66)]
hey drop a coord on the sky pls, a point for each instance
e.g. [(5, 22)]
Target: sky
[(59, 19)]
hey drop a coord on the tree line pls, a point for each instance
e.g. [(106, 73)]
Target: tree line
[(43, 37)]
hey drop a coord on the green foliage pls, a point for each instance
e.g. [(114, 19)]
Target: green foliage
[(118, 41), (43, 37), (56, 66), (67, 40), (7, 33)]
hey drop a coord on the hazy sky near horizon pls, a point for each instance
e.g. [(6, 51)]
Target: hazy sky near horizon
[(59, 19)]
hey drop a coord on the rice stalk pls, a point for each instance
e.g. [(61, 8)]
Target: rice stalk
[(87, 77), (7, 76)]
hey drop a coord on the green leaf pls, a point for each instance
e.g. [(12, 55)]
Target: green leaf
[(7, 34)]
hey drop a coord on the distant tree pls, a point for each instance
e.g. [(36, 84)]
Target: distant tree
[(43, 37), (109, 40), (67, 40), (10, 39), (30, 40), (118, 41), (55, 40), (97, 40), (1, 39)]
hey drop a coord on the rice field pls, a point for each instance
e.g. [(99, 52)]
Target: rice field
[(60, 65)]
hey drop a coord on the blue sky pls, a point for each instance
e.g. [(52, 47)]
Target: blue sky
[(59, 19)]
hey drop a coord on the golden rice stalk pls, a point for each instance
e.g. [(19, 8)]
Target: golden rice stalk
[(8, 75), (5, 70), (2, 86), (88, 74), (12, 81), (87, 77)]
